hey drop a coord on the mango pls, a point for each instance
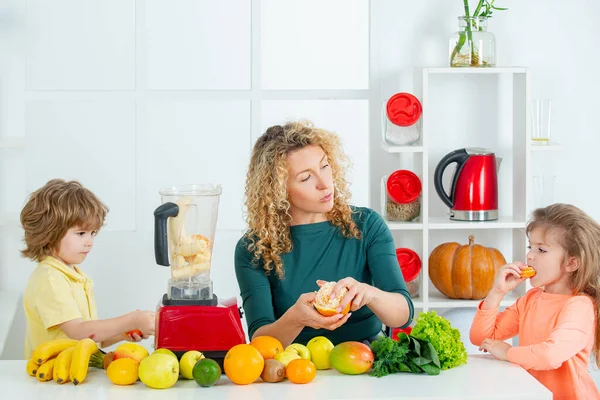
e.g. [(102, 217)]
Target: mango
[(351, 358)]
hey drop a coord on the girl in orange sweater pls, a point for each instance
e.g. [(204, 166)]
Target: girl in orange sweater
[(557, 320)]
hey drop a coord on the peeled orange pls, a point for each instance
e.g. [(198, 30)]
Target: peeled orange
[(327, 306)]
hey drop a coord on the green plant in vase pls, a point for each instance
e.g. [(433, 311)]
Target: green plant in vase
[(473, 45)]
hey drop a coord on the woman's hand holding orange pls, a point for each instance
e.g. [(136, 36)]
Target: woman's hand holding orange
[(308, 316), (360, 294)]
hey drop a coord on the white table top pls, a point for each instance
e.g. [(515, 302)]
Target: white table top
[(482, 378)]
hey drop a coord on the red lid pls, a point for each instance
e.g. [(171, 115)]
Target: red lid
[(396, 331), (403, 109), (403, 186), (410, 263)]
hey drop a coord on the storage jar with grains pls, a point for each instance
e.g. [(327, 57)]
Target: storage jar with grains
[(403, 196)]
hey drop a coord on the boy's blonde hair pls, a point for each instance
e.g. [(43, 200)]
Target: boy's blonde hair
[(267, 205), (579, 235), (54, 209)]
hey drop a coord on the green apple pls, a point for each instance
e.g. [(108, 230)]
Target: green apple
[(286, 356), (299, 349), (187, 362), (320, 347)]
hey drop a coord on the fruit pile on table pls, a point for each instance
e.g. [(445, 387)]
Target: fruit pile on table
[(67, 360)]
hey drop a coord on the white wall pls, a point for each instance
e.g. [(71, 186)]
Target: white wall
[(130, 96)]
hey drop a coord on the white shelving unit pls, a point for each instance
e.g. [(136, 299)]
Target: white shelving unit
[(469, 107)]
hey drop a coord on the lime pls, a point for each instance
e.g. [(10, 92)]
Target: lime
[(206, 372)]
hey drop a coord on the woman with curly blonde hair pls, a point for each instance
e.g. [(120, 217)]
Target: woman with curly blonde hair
[(302, 232)]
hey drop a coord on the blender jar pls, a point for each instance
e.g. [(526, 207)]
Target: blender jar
[(183, 238)]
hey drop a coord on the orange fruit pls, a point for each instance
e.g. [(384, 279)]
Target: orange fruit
[(301, 371), (243, 364), (123, 371), (268, 346), (528, 272), (327, 306)]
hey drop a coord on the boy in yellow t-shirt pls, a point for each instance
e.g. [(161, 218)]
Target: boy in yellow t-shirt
[(61, 220)]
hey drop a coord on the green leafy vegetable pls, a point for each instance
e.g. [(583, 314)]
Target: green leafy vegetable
[(408, 354), (446, 340)]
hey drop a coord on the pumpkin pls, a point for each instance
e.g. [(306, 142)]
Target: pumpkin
[(464, 271)]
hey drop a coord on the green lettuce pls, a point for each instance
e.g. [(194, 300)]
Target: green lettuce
[(445, 339)]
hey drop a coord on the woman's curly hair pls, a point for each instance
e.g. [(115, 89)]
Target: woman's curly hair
[(267, 205)]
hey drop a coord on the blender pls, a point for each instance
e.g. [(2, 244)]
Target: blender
[(189, 315)]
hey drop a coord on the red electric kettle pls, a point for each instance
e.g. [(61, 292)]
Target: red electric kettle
[(474, 191)]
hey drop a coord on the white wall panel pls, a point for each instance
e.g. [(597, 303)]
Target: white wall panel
[(80, 45), (348, 118), (188, 142), (315, 44), (89, 141), (197, 44)]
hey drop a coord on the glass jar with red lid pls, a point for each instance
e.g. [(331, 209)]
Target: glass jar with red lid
[(403, 189), (410, 265), (400, 121)]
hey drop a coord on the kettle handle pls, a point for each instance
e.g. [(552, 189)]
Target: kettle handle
[(161, 214), (457, 156)]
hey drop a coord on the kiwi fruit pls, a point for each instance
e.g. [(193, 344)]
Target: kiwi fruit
[(274, 371), (108, 358)]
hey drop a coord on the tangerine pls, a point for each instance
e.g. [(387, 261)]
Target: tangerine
[(243, 364), (301, 371), (123, 371), (268, 346)]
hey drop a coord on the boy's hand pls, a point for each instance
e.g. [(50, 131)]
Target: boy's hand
[(146, 322), (133, 336)]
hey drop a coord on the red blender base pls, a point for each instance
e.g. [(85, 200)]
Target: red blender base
[(212, 330)]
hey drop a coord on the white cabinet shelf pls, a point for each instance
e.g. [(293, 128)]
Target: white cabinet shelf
[(474, 71), (401, 149), (551, 146), (501, 223), (469, 107)]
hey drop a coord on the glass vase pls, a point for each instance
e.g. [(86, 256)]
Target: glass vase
[(472, 45)]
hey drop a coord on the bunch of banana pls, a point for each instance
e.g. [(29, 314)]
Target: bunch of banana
[(64, 360)]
